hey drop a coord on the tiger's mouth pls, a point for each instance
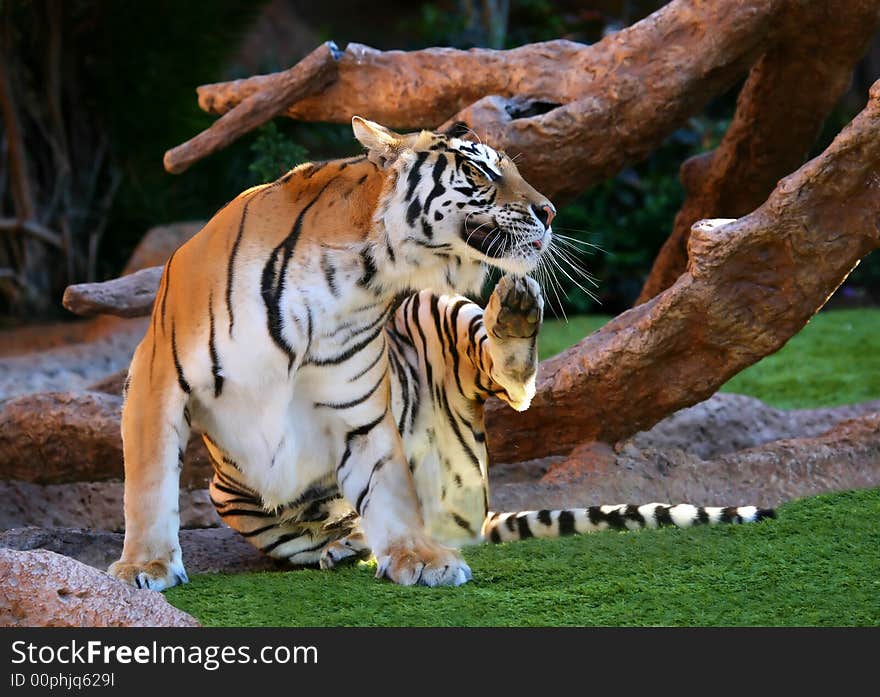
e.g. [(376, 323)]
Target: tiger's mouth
[(492, 240), (486, 237)]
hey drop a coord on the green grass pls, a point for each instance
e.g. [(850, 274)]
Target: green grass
[(834, 360), (818, 564)]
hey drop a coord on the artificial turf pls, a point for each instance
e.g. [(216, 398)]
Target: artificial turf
[(818, 564)]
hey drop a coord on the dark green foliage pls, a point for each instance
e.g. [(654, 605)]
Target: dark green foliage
[(817, 565), (148, 58), (273, 154)]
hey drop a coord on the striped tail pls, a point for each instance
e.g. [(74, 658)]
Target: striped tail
[(504, 527)]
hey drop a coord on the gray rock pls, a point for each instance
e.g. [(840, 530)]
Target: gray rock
[(44, 589), (93, 505), (726, 423), (209, 550)]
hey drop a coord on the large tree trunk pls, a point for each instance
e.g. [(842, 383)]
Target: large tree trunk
[(750, 285), (780, 110), (577, 114)]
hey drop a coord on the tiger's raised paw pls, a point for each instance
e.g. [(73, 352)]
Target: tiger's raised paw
[(348, 550), (154, 575), (422, 562), (518, 308)]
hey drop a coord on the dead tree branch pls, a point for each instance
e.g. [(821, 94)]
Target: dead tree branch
[(576, 113), (128, 296), (311, 75)]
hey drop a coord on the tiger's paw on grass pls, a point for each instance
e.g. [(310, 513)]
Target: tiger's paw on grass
[(422, 562)]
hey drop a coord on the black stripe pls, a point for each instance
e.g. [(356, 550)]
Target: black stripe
[(429, 371), (632, 513), (510, 523), (389, 249), (167, 276), (662, 516), (427, 231), (615, 520), (371, 366), (436, 173), (231, 264), (369, 268), (226, 489), (358, 400), (566, 523), (522, 523), (472, 456), (258, 531), (494, 536), (462, 523), (245, 512), (281, 539), (272, 286), (545, 517), (452, 334), (359, 431), (403, 382), (212, 350), (413, 210), (376, 467), (730, 515), (702, 516), (345, 355), (414, 175), (181, 380), (329, 274)]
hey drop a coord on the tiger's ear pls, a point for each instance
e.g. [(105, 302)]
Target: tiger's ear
[(383, 145)]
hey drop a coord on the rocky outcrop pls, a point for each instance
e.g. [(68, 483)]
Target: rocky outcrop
[(204, 551), (45, 589), (847, 456), (93, 505), (56, 437)]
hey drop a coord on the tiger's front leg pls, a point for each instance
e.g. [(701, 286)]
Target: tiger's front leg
[(375, 478), (512, 319)]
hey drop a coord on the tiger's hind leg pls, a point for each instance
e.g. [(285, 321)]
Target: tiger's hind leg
[(154, 432), (297, 537), (348, 550), (512, 319)]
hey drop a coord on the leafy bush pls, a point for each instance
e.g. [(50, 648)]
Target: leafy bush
[(274, 154)]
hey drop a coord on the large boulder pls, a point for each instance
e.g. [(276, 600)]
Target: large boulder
[(44, 589)]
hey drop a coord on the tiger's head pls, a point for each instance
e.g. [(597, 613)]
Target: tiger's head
[(461, 198)]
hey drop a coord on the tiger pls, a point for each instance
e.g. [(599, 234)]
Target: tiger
[(313, 334)]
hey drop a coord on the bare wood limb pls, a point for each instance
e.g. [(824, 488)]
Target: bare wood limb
[(309, 76), (593, 108), (128, 296), (32, 228), (750, 285)]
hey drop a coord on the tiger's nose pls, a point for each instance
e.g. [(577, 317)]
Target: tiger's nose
[(545, 213)]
